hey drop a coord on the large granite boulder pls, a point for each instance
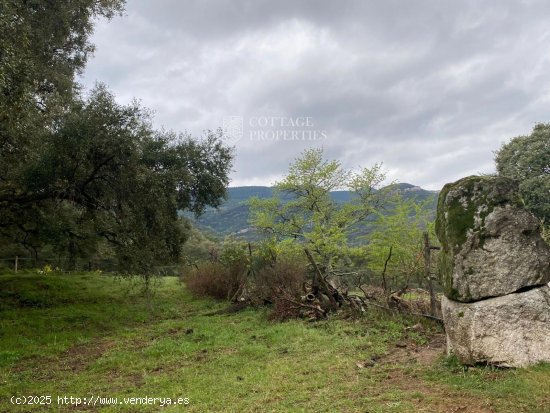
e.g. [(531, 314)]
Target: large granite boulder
[(509, 331), (491, 245)]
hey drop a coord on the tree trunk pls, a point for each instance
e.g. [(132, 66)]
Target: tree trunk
[(319, 283)]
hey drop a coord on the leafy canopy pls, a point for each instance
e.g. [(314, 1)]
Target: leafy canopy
[(527, 160), (82, 177), (303, 209), (400, 229)]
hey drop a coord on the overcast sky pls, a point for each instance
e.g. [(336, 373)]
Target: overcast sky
[(429, 88)]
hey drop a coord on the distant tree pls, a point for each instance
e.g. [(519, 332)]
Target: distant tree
[(303, 210), (395, 246), (527, 160), (200, 246)]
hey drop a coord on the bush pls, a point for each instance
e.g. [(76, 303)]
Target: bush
[(198, 247), (280, 284), (282, 277), (234, 253), (211, 279)]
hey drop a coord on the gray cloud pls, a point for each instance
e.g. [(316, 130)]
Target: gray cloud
[(431, 88)]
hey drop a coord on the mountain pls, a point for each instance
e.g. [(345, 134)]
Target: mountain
[(231, 218)]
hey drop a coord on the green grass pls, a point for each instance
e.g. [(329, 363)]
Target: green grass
[(89, 334)]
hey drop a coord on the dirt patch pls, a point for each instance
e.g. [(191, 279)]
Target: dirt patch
[(431, 397), (409, 352), (75, 359), (79, 357), (425, 396), (136, 379)]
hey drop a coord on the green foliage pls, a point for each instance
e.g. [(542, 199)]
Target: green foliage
[(82, 178), (545, 232), (303, 210), (233, 216), (526, 159), (199, 246), (224, 272), (234, 252), (43, 46), (105, 174), (400, 228)]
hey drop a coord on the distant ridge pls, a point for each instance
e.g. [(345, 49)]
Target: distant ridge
[(231, 218)]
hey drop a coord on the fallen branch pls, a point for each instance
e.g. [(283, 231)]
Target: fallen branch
[(394, 310), (298, 304)]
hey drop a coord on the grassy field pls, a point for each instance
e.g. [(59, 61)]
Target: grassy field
[(91, 335)]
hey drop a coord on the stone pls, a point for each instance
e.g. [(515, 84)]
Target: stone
[(490, 244), (508, 331)]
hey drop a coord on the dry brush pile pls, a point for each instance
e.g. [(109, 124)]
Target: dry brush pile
[(296, 288)]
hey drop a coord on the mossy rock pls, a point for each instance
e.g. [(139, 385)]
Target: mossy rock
[(462, 209), (461, 202)]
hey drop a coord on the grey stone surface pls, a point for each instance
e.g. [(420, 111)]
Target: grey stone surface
[(509, 331), (491, 245)]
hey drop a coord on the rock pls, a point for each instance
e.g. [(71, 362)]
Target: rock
[(491, 245), (508, 331), (366, 363)]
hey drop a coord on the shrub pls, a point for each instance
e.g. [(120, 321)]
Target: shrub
[(211, 279), (281, 284), (283, 277), (234, 254)]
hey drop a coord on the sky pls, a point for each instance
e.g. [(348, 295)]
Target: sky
[(429, 88)]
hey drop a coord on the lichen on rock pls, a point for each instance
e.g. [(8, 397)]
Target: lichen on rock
[(494, 267), (491, 245), (508, 331)]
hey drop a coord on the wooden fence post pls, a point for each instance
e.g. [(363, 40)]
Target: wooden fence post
[(427, 272)]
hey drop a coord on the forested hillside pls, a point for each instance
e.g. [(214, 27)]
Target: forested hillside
[(232, 217)]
